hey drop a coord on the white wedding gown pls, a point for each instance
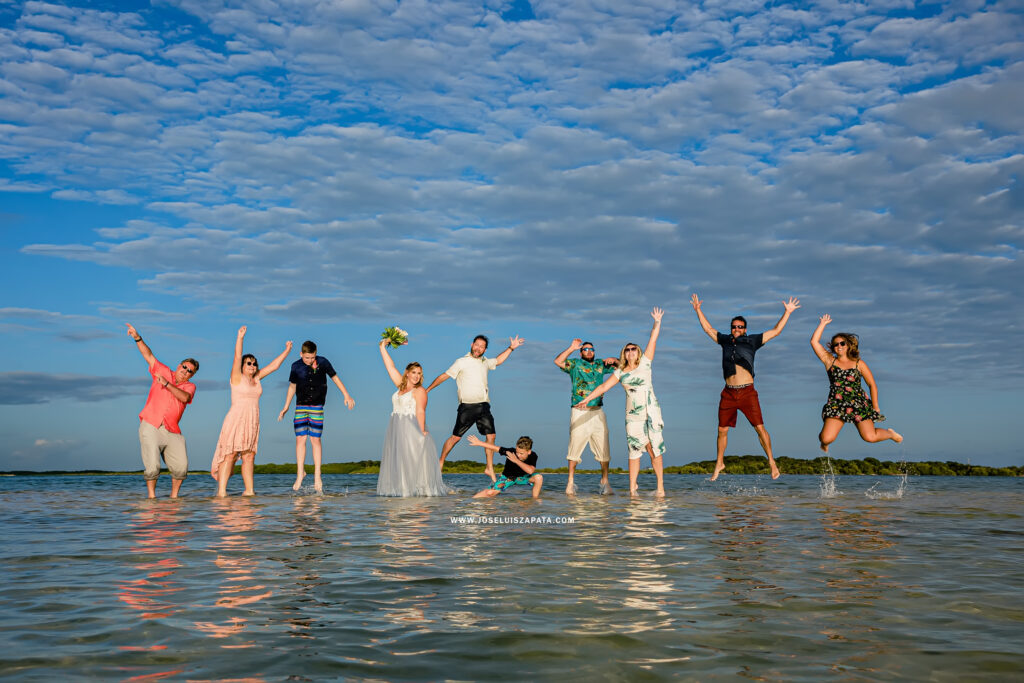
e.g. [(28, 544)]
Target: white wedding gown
[(408, 464)]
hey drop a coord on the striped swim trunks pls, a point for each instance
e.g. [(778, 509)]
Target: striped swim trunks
[(309, 421)]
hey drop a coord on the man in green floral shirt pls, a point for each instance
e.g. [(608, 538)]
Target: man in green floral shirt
[(587, 425)]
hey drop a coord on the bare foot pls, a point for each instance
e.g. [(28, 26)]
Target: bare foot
[(299, 476), (660, 493), (222, 494), (634, 492), (248, 493), (775, 471), (489, 471), (823, 447), (718, 470), (570, 489), (319, 485), (606, 489), (897, 437)]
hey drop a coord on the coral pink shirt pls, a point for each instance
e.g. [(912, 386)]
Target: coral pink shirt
[(162, 408)]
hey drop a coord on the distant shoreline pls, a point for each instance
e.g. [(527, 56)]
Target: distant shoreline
[(734, 464)]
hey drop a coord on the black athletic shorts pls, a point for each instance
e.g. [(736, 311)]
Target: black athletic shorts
[(480, 413)]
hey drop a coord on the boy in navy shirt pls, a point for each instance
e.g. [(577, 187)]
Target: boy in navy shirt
[(308, 384)]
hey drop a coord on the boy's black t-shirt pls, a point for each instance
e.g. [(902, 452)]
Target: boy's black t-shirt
[(512, 470)]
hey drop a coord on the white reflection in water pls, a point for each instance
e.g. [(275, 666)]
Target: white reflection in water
[(646, 582), (406, 524)]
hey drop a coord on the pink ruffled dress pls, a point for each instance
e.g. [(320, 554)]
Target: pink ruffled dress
[(241, 429)]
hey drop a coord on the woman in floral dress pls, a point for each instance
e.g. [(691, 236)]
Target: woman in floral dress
[(643, 412), (846, 399)]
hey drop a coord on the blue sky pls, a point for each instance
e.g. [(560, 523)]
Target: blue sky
[(320, 170)]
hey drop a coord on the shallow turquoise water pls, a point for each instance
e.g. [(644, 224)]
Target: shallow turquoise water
[(743, 576)]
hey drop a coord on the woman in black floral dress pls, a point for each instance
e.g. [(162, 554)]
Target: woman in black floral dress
[(846, 399)]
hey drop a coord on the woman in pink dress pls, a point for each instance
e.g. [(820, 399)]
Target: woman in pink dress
[(240, 433)]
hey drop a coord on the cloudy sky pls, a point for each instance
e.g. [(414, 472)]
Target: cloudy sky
[(322, 169)]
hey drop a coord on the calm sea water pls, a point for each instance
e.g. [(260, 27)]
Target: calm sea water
[(786, 580)]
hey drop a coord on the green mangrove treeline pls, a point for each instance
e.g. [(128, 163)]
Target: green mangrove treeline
[(734, 464)]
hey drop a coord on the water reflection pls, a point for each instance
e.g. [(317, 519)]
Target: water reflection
[(645, 578), (402, 563), (475, 550), (746, 540), (857, 548), (853, 568), (156, 534), (308, 548), (234, 518)]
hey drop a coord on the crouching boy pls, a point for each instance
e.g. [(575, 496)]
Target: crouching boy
[(520, 467)]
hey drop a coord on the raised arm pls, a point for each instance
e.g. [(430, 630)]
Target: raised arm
[(704, 324), (474, 441), (599, 391), (791, 306), (350, 402), (444, 376), (564, 355), (236, 367), (652, 343), (820, 351), (389, 364), (513, 344), (869, 379), (419, 394), (142, 346), (287, 400), (276, 363)]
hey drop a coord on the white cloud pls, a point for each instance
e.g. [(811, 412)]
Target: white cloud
[(307, 152)]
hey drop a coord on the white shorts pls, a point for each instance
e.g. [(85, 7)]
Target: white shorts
[(588, 427)]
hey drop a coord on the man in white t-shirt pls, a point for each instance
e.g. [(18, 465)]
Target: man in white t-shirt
[(470, 373)]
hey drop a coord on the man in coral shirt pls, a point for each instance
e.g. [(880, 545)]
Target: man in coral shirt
[(159, 434)]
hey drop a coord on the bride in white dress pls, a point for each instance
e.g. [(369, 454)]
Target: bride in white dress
[(408, 463)]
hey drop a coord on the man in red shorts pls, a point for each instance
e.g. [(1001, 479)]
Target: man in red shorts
[(738, 349)]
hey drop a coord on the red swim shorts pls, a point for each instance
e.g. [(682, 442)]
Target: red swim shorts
[(745, 400)]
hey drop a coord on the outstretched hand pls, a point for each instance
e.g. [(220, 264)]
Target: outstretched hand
[(288, 346), (697, 303), (515, 342), (656, 313), (576, 343), (825, 319), (792, 304), (131, 331), (474, 441), (241, 331)]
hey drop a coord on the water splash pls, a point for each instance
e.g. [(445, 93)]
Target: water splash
[(901, 487), (827, 487)]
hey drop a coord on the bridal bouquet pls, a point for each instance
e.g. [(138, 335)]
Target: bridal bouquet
[(396, 336)]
